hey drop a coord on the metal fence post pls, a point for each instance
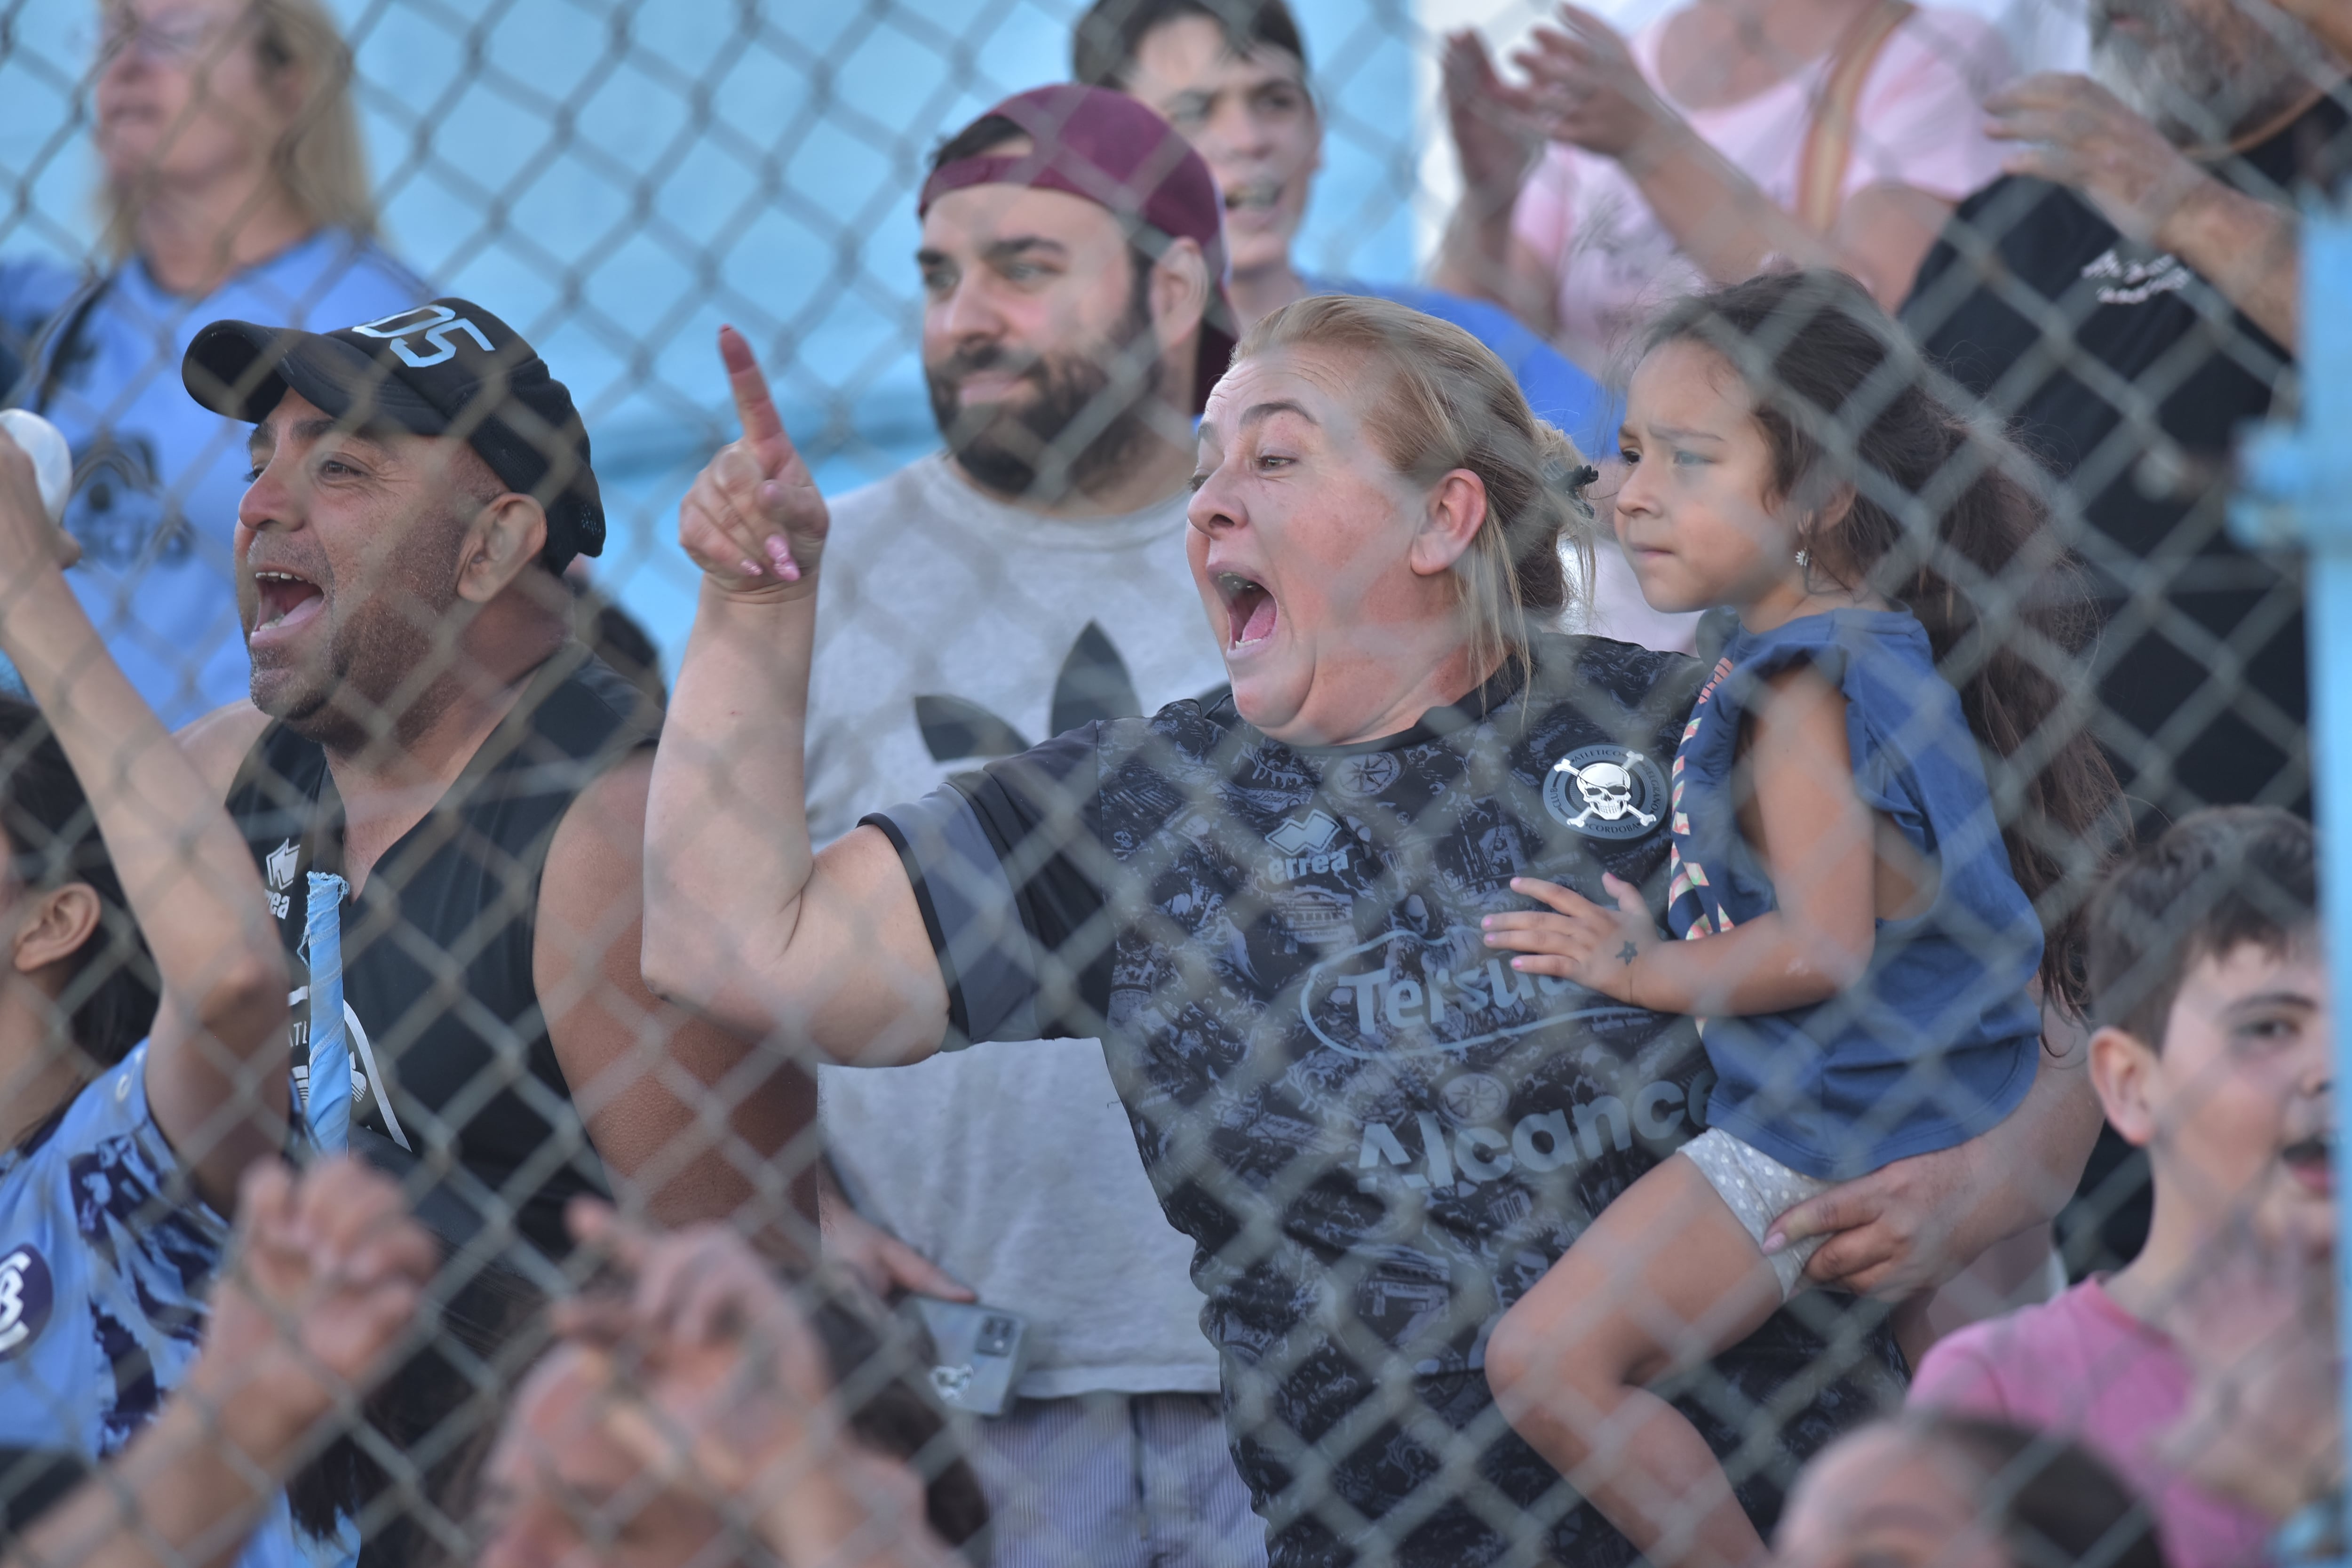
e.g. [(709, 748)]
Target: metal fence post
[(2297, 492)]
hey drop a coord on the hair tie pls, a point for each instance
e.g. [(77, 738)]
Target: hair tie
[(1567, 480)]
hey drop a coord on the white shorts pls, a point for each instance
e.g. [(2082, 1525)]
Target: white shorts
[(1759, 1190)]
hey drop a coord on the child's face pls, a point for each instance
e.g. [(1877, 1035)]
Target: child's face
[(2235, 1110), (1691, 510), (1882, 1499)]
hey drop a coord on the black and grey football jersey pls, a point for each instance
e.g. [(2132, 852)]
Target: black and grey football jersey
[(1378, 1134)]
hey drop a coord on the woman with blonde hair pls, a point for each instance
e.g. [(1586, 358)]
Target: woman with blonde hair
[(233, 184), (1270, 907)]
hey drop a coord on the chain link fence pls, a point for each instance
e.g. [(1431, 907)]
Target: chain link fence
[(578, 965)]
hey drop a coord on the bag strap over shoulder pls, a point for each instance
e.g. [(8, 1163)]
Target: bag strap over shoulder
[(1829, 141)]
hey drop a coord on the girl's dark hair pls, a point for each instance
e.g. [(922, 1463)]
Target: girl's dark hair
[(52, 840), (2053, 1503), (1941, 521)]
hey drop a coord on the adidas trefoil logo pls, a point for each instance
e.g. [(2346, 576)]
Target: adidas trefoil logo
[(1094, 684)]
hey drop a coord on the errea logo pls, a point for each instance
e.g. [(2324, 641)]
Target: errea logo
[(278, 867), (1304, 846)]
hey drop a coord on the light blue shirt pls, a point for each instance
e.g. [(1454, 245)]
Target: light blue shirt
[(104, 1270), (159, 478), (1560, 393)]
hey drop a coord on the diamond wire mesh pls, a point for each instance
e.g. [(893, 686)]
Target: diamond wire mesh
[(1360, 1189)]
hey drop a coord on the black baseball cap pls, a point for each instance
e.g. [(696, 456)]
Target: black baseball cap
[(446, 368)]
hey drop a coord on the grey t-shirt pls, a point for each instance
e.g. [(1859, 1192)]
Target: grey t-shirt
[(955, 629)]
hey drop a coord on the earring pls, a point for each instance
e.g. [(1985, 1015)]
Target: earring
[(1803, 556)]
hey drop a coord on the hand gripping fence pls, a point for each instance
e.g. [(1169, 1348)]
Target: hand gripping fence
[(1203, 1242)]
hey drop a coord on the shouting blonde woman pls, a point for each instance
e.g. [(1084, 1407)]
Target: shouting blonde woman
[(1377, 1131)]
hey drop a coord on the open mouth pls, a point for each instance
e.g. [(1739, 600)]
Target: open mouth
[(286, 600), (1253, 195), (1250, 609), (2309, 1162), (2117, 16)]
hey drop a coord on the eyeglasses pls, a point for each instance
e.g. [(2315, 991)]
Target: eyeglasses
[(173, 39)]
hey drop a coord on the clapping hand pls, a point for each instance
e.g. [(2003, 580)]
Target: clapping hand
[(324, 1277), (1585, 89), (728, 1391), (1496, 131), (2072, 131), (1576, 939), (753, 520), (711, 1377)]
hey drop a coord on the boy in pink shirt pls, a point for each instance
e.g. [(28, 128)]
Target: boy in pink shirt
[(2212, 1055)]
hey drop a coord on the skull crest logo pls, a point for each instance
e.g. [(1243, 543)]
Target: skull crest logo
[(1606, 791)]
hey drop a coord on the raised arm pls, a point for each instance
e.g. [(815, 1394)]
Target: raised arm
[(1596, 98), (215, 1059), (1497, 138), (2072, 132), (743, 922)]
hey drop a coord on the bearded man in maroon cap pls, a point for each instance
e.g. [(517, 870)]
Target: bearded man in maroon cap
[(1026, 579)]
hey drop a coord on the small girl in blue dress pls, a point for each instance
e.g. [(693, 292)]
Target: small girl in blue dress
[(1860, 943)]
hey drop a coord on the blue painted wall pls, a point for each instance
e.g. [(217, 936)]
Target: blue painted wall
[(617, 179)]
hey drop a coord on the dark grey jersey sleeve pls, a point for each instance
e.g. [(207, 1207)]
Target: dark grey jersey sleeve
[(997, 859), (986, 957)]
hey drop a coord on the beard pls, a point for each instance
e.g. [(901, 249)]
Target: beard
[(391, 666), (1085, 413), (2198, 79)]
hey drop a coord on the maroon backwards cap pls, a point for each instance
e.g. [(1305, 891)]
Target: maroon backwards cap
[(1107, 148)]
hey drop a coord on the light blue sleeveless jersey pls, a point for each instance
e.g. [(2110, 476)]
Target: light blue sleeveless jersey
[(103, 1277)]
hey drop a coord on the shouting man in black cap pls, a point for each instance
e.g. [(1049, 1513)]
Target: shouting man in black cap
[(432, 772)]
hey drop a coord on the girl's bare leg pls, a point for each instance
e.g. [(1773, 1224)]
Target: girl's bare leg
[(1666, 1277)]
